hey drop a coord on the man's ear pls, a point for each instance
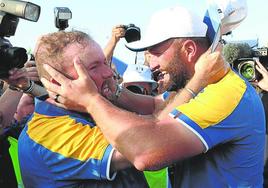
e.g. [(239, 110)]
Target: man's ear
[(190, 50)]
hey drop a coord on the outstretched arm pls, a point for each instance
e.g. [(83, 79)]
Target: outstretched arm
[(117, 33)]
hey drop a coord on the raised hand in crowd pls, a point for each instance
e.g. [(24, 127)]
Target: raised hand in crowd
[(118, 32)]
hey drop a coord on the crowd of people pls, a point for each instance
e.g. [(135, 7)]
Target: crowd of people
[(183, 119)]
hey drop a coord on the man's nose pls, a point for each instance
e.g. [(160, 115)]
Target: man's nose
[(153, 64)]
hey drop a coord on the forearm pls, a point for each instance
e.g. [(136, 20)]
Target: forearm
[(182, 97), (141, 104), (123, 129), (109, 49), (141, 140), (9, 102)]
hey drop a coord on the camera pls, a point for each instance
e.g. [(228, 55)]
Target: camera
[(10, 12), (11, 57), (132, 33), (62, 15), (246, 66)]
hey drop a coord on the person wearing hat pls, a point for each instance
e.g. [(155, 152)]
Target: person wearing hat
[(138, 79), (214, 128)]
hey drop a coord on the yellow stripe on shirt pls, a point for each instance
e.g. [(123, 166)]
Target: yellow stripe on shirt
[(216, 102), (63, 135)]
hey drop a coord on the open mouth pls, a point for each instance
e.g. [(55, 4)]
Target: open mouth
[(158, 75), (105, 90)]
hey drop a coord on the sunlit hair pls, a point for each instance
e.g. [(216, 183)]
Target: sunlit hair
[(50, 49)]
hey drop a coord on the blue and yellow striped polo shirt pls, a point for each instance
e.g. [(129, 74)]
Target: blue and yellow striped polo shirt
[(228, 117), (58, 147)]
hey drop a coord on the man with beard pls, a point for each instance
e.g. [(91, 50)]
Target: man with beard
[(62, 148), (174, 74), (214, 127)]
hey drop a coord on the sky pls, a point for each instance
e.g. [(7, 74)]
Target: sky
[(99, 17)]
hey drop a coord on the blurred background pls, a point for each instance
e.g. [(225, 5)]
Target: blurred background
[(99, 17)]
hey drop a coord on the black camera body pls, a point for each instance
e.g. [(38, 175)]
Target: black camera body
[(132, 33), (10, 57), (246, 66), (10, 12)]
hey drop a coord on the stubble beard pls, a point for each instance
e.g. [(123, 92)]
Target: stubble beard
[(178, 73)]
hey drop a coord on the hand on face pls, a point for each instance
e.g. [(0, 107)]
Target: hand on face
[(74, 94), (263, 83), (211, 67)]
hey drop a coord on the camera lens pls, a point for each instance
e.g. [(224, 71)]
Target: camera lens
[(132, 33), (11, 57), (247, 70)]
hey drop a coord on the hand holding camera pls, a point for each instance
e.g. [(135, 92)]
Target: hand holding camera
[(130, 32), (18, 79), (118, 32), (10, 12)]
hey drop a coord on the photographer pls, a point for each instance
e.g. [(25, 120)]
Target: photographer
[(15, 101), (118, 32), (12, 107)]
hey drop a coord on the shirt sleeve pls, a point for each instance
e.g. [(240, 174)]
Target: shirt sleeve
[(71, 150), (215, 115)]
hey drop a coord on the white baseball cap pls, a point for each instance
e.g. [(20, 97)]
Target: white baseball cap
[(138, 73), (232, 13), (169, 23)]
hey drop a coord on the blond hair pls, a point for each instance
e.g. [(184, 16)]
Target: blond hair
[(50, 49)]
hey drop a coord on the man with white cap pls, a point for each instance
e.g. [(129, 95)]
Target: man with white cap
[(214, 127), (167, 29)]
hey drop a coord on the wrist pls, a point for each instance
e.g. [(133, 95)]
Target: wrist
[(191, 92), (93, 102), (24, 89), (113, 41), (30, 87), (118, 92), (195, 85)]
